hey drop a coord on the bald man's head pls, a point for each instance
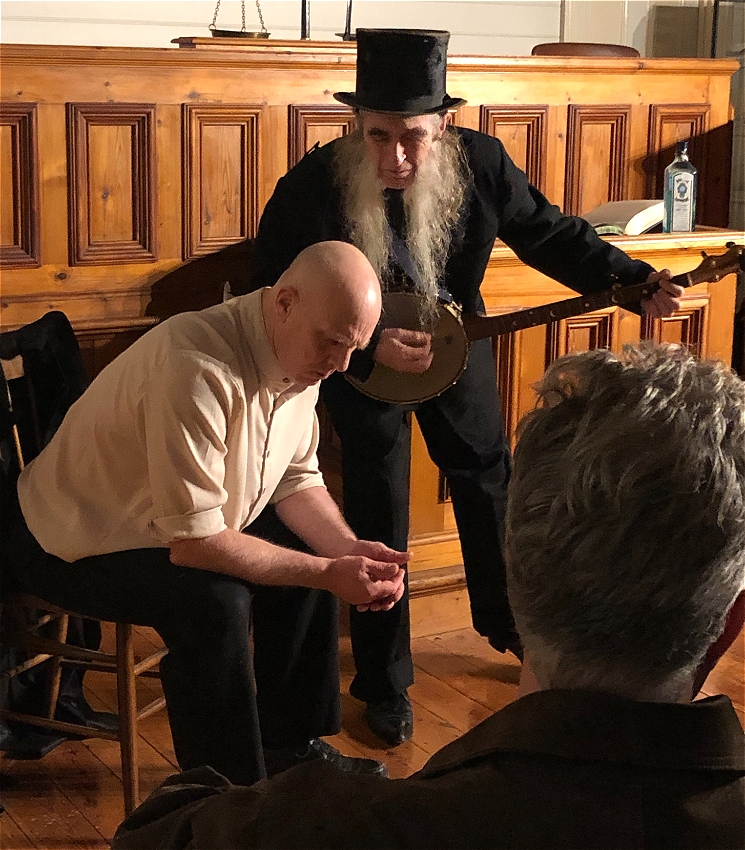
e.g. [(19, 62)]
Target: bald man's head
[(324, 306)]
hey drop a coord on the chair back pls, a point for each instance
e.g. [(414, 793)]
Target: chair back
[(42, 375), (584, 48)]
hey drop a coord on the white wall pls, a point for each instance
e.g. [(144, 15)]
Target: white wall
[(492, 27), (504, 27), (654, 27)]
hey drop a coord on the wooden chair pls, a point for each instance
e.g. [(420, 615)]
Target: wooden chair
[(584, 48), (42, 376)]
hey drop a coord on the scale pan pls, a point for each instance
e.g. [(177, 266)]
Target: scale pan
[(238, 34)]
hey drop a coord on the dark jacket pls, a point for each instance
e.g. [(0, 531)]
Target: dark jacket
[(555, 769)]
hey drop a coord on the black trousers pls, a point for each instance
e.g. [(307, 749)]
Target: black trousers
[(465, 437), (223, 699)]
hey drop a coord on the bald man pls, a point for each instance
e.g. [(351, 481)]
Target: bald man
[(182, 492)]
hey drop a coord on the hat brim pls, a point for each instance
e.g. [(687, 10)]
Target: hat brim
[(350, 99)]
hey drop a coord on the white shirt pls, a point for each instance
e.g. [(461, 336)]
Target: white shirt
[(191, 430)]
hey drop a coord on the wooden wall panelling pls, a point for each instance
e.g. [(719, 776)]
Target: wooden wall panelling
[(672, 123), (636, 170), (597, 145), (169, 143), (54, 198), (221, 163), (507, 354), (274, 128), (428, 513), (717, 176), (531, 356), (468, 116), (669, 124), (689, 326), (722, 297), (582, 333), (19, 186), (100, 346), (311, 124), (443, 489), (629, 328), (111, 183), (523, 131), (107, 296), (556, 153)]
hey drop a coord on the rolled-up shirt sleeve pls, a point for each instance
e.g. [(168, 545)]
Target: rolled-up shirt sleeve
[(185, 430)]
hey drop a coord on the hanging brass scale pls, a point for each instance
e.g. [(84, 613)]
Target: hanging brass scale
[(242, 32)]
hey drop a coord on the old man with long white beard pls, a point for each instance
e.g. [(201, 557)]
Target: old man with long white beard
[(425, 201)]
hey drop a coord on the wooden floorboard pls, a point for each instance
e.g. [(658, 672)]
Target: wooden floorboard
[(11, 835), (72, 798), (728, 677)]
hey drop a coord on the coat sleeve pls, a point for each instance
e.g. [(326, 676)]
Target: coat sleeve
[(166, 819), (314, 805)]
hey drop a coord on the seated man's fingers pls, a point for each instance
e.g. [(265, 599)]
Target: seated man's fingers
[(386, 603), (378, 551), (390, 593), (385, 571)]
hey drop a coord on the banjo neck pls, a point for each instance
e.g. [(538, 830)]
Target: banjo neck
[(453, 329), (477, 326)]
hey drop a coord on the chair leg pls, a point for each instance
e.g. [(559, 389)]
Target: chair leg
[(54, 675), (127, 700)]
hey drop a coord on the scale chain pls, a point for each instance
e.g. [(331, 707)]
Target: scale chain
[(213, 25)]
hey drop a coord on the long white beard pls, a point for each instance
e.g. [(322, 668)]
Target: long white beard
[(432, 207)]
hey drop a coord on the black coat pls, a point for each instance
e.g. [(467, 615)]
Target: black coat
[(556, 769)]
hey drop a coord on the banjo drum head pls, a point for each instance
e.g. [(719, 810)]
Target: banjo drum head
[(449, 343)]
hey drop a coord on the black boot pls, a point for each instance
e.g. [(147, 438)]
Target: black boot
[(316, 749), (512, 644), (391, 719)]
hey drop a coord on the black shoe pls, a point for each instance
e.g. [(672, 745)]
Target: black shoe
[(28, 742), (317, 749), (34, 743), (512, 644), (77, 710), (391, 719)]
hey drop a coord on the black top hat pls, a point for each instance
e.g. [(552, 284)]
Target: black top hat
[(401, 71)]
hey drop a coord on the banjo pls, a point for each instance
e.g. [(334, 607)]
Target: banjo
[(454, 330)]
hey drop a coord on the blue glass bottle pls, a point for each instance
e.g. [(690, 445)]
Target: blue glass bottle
[(681, 183)]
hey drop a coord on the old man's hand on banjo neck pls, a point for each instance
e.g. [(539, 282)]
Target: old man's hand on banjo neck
[(412, 365)]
